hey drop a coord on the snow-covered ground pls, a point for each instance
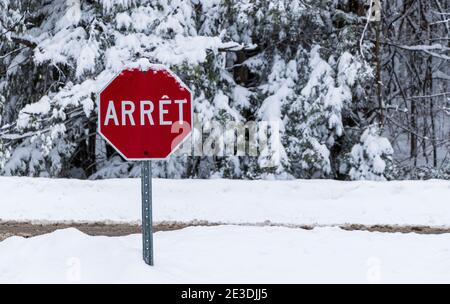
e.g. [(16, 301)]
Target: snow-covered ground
[(298, 202), (229, 254)]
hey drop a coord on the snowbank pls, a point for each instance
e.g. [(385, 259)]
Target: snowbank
[(298, 202), (229, 254)]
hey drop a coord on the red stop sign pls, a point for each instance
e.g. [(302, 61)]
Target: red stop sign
[(145, 114)]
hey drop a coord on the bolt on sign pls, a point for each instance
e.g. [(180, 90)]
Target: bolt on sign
[(145, 115)]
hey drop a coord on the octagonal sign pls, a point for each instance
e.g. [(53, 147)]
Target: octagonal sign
[(145, 114)]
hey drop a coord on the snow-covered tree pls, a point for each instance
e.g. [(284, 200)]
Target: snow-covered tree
[(292, 64), (371, 158), (73, 48), (315, 117)]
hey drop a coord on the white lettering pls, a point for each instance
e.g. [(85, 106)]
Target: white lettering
[(162, 111), (111, 114), (145, 109), (146, 112), (180, 109), (127, 112)]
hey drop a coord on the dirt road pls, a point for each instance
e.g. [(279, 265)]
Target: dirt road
[(28, 229)]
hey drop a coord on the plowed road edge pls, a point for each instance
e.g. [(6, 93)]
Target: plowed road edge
[(30, 229)]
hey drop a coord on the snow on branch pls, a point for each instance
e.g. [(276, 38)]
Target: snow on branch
[(24, 41), (429, 49), (236, 47)]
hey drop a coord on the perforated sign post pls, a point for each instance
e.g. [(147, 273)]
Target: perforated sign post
[(145, 115)]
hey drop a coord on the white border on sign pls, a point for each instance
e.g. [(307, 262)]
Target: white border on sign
[(150, 67)]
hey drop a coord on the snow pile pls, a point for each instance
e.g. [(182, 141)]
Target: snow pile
[(228, 254), (298, 202)]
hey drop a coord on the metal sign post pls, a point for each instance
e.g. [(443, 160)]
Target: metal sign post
[(147, 221)]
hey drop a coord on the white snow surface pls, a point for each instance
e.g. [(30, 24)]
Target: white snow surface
[(229, 254), (296, 202)]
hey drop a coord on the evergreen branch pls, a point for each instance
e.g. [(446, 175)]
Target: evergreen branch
[(25, 42)]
